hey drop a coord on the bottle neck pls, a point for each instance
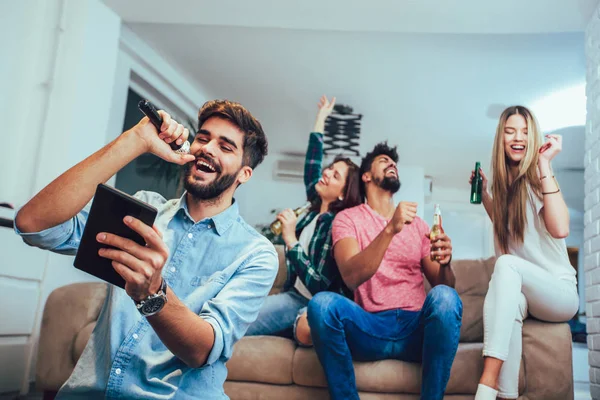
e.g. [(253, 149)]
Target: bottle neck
[(302, 209)]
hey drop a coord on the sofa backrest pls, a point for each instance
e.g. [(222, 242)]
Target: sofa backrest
[(472, 279), (282, 273)]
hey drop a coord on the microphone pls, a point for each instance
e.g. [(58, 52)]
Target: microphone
[(150, 111)]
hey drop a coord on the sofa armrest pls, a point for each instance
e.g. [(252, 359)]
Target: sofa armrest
[(548, 361), (68, 310)]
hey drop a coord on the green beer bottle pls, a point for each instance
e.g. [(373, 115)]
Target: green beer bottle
[(476, 185)]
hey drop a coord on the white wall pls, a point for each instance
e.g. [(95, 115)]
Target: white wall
[(70, 67), (61, 80), (412, 188), (60, 76), (467, 225)]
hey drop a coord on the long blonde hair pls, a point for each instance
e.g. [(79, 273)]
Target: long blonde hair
[(509, 199)]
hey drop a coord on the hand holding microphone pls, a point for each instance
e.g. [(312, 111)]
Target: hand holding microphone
[(170, 132)]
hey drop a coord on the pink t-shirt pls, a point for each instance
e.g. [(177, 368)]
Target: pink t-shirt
[(398, 282)]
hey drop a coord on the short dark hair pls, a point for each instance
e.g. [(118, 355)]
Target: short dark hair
[(351, 193), (255, 141), (365, 166)]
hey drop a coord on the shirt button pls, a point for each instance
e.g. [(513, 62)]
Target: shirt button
[(190, 235), (135, 336), (173, 269), (118, 371), (209, 226)]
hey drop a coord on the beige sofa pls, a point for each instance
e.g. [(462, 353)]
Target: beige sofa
[(268, 368)]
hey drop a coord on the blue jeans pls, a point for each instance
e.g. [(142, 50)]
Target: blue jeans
[(278, 313), (342, 331)]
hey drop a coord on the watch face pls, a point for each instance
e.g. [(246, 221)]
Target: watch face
[(152, 306)]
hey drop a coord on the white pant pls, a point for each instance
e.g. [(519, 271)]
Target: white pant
[(519, 288)]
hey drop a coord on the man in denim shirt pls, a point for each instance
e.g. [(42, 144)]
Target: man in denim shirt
[(213, 267)]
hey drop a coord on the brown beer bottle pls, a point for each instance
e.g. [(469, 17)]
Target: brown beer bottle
[(436, 228)]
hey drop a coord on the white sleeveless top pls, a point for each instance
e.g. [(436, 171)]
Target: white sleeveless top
[(304, 240)]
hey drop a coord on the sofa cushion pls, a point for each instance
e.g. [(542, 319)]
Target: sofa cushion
[(68, 310), (548, 357), (281, 273), (472, 281), (266, 359), (81, 339), (393, 376), (263, 391)]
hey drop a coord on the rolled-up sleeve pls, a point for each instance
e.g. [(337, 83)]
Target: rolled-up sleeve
[(63, 238), (237, 305)]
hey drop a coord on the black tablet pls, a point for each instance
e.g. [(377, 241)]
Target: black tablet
[(109, 207)]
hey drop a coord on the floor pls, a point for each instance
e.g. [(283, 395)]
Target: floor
[(582, 392), (581, 373)]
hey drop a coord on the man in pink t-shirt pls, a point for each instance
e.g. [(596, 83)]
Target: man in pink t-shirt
[(382, 252)]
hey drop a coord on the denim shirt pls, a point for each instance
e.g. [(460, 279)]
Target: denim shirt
[(220, 268)]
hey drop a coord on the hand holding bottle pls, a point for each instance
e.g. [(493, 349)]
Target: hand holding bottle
[(277, 225), (288, 221), (484, 181), (441, 249)]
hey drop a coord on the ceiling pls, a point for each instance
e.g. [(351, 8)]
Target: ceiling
[(414, 16), (430, 78)]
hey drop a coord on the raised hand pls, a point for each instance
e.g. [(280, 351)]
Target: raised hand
[(158, 144), (405, 213), (325, 108), (551, 148)]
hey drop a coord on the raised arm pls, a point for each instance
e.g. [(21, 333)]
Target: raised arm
[(314, 154), (64, 197), (555, 211)]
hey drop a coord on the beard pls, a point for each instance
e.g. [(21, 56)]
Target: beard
[(389, 183), (210, 191)]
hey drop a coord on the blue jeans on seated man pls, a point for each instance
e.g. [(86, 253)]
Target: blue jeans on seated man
[(278, 314), (343, 331)]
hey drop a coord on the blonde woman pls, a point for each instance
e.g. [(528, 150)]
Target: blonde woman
[(532, 275)]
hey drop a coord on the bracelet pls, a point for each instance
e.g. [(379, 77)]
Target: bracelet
[(544, 177), (558, 190)]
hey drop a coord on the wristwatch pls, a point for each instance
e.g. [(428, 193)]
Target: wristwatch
[(153, 303)]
